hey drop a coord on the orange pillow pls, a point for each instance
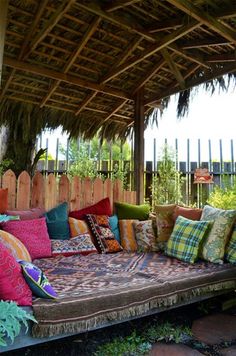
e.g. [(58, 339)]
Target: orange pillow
[(78, 227), (14, 246), (188, 213), (3, 200), (127, 235)]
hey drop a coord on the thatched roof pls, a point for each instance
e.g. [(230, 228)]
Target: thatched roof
[(81, 62)]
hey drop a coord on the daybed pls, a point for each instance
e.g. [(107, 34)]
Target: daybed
[(102, 289)]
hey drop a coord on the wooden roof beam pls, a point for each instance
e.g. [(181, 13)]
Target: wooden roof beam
[(166, 40), (57, 15), (114, 111), (90, 31), (223, 57), (193, 82), (201, 16), (67, 78), (118, 4), (173, 67), (85, 102), (3, 24), (205, 42)]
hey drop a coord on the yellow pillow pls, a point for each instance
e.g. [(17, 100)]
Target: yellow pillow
[(15, 246), (78, 227), (127, 235)]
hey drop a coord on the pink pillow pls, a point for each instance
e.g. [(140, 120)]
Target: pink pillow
[(33, 234), (12, 283), (34, 213), (103, 207)]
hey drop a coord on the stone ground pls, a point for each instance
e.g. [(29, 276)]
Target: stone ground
[(214, 334)]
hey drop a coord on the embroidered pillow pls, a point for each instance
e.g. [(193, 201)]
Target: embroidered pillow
[(81, 244), (213, 247), (33, 234), (34, 213), (37, 281), (78, 227), (188, 213), (230, 254), (103, 207), (3, 200), (144, 234), (57, 222), (15, 246), (165, 221), (12, 283), (114, 224), (103, 237), (127, 235), (185, 239), (132, 211)]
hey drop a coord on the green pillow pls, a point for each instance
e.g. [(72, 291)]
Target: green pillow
[(131, 211), (213, 247), (230, 255), (185, 239), (57, 222)]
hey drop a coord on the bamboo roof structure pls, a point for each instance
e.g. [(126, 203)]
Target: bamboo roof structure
[(81, 62)]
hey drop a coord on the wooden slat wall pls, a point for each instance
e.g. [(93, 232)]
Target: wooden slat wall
[(47, 192)]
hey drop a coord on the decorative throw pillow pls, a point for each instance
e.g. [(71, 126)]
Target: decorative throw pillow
[(78, 227), (81, 244), (57, 222), (103, 237), (144, 234), (103, 207), (5, 218), (165, 221), (34, 213), (33, 234), (37, 281), (230, 254), (3, 200), (188, 213), (130, 211), (185, 239), (12, 283), (213, 247), (127, 235), (114, 224), (15, 246)]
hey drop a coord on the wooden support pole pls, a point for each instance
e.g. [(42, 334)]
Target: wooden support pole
[(3, 23), (139, 146)]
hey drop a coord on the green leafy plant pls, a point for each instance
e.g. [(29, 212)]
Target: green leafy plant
[(223, 197), (167, 332), (166, 185), (4, 165), (11, 319)]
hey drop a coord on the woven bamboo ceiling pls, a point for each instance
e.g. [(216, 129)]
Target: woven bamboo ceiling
[(90, 58)]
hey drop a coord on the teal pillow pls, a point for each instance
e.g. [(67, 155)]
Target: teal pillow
[(184, 242), (131, 211), (57, 222), (114, 224)]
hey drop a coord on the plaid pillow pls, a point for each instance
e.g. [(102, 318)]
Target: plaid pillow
[(185, 239)]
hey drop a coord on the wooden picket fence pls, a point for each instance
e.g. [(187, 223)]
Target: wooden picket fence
[(25, 192)]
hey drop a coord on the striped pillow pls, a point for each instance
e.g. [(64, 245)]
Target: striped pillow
[(78, 227), (14, 246), (127, 235), (186, 237)]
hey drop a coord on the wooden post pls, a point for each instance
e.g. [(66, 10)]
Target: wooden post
[(139, 146), (3, 23)]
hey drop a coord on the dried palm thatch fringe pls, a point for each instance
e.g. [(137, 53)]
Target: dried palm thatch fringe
[(155, 305)]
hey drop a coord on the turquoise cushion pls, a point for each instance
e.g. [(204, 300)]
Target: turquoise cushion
[(186, 237), (57, 222), (114, 224), (131, 211)]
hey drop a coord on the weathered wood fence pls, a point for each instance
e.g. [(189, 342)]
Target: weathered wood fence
[(25, 192)]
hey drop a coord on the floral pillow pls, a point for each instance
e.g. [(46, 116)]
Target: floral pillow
[(230, 254), (81, 244), (164, 222), (103, 237), (145, 238), (213, 247)]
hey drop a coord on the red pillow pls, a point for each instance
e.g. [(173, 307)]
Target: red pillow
[(3, 200), (33, 234), (188, 213), (12, 283), (103, 207)]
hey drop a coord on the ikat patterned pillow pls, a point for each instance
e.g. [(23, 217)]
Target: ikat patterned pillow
[(127, 235), (230, 254), (103, 237), (213, 247), (81, 244), (185, 239), (145, 237)]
